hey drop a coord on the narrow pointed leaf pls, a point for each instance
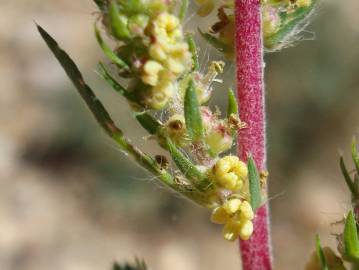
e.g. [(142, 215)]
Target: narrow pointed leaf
[(351, 241), (215, 42), (192, 113), (118, 22), (193, 49), (232, 107), (183, 9), (114, 84), (347, 178), (355, 155), (111, 55), (254, 184), (321, 256), (100, 113), (148, 122), (184, 164)]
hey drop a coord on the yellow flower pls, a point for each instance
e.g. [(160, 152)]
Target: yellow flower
[(161, 93), (151, 70), (174, 56), (237, 216), (230, 173), (167, 28)]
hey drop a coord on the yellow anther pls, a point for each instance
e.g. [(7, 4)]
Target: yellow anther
[(232, 205), (246, 212), (236, 215), (231, 231), (245, 230), (229, 173), (220, 216), (151, 71), (157, 52)]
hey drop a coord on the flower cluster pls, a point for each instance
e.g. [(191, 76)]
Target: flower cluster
[(237, 216), (152, 45)]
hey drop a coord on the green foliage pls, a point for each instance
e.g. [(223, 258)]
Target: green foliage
[(108, 51), (118, 22), (184, 164), (254, 184), (320, 253), (115, 85), (192, 114), (148, 122), (351, 242), (232, 106), (193, 49)]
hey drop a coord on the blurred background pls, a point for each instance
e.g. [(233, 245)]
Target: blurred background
[(70, 200)]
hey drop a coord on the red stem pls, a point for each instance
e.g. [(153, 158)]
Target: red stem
[(256, 252)]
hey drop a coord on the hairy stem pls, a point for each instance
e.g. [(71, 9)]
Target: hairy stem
[(255, 252)]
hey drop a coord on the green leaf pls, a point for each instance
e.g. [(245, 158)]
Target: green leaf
[(351, 242), (118, 22), (232, 107), (104, 74), (254, 184), (216, 43), (192, 113), (184, 164), (355, 155), (350, 183), (148, 122), (320, 253), (193, 49), (109, 52), (183, 9)]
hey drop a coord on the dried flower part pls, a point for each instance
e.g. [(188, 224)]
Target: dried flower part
[(236, 215), (176, 130)]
